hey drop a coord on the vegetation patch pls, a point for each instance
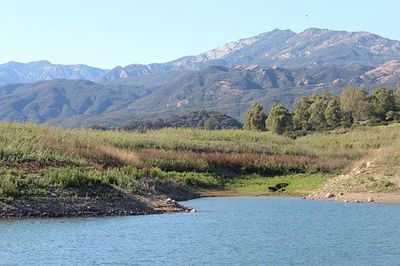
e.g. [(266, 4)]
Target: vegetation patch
[(47, 162), (299, 184)]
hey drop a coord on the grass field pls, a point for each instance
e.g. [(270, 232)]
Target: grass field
[(34, 158)]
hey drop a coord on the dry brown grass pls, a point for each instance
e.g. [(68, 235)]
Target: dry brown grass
[(111, 156), (238, 160)]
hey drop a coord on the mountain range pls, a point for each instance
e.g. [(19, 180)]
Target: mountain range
[(279, 65)]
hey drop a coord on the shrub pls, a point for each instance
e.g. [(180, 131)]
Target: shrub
[(9, 185)]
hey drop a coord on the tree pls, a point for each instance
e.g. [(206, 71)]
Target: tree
[(354, 102), (301, 114), (317, 112), (332, 113), (397, 97), (254, 119), (383, 101), (347, 119), (279, 119)]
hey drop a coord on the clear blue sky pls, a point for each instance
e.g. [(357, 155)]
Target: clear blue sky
[(121, 32)]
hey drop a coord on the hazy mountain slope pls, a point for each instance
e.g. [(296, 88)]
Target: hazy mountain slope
[(229, 90), (273, 66), (278, 47), (47, 101), (285, 49), (14, 72), (341, 48), (388, 73)]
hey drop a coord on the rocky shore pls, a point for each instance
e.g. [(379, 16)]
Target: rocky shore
[(35, 208), (366, 183), (108, 202)]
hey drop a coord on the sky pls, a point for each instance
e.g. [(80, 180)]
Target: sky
[(105, 34)]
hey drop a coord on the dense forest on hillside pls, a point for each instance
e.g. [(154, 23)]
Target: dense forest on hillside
[(204, 119)]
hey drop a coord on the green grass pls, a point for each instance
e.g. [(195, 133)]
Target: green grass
[(38, 158), (28, 141), (298, 184), (24, 184)]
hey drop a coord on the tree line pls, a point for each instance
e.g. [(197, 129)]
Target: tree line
[(324, 112)]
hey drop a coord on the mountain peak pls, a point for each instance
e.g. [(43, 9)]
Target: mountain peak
[(285, 48), (314, 30)]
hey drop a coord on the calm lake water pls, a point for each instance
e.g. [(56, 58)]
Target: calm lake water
[(225, 231)]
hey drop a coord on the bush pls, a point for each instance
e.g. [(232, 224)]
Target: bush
[(70, 177), (9, 186)]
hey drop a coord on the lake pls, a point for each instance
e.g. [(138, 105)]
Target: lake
[(224, 231)]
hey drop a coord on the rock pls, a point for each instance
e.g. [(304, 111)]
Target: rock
[(341, 194), (329, 195), (345, 201), (356, 201), (280, 187), (370, 200)]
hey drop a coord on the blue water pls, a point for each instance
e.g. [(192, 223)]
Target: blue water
[(225, 231)]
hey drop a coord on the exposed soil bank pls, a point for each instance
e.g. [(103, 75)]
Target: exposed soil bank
[(101, 201), (79, 207), (371, 181), (392, 198)]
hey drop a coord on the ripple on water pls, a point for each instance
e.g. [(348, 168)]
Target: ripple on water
[(230, 231)]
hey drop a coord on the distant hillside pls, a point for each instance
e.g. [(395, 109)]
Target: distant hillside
[(279, 65), (14, 72), (232, 90), (59, 100), (76, 103), (197, 119)]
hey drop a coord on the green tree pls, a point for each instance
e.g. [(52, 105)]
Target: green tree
[(354, 102), (397, 99), (254, 119), (383, 101), (301, 114), (317, 112), (347, 119), (332, 113), (279, 119)]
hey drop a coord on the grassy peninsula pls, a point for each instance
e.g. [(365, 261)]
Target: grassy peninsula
[(48, 171)]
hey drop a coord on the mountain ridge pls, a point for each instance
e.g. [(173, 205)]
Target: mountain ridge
[(284, 48)]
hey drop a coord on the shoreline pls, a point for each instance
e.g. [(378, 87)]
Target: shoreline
[(160, 206), (146, 205), (379, 198), (104, 203)]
